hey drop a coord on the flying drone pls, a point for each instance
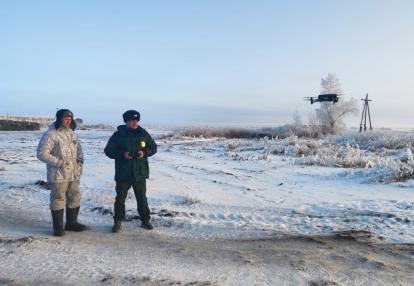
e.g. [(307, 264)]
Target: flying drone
[(324, 97)]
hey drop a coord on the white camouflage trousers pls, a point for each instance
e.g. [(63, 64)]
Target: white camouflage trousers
[(60, 191)]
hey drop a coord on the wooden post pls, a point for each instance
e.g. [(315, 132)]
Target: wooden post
[(365, 111)]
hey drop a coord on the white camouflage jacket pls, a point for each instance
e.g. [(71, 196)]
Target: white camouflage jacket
[(57, 147)]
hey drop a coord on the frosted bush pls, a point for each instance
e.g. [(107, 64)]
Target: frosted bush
[(351, 160), (237, 132), (387, 171), (298, 150), (381, 156), (377, 139), (293, 140), (231, 147), (406, 156), (386, 152), (277, 149), (96, 126)]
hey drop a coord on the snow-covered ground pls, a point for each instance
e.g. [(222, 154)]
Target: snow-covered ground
[(333, 211)]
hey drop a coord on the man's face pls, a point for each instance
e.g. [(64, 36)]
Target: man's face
[(132, 124), (66, 121)]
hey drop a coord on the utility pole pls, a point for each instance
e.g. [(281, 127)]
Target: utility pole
[(365, 111)]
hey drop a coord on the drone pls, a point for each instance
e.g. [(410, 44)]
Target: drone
[(324, 97)]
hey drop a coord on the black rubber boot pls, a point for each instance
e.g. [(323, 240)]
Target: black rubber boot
[(72, 220), (117, 226), (57, 217), (147, 225)]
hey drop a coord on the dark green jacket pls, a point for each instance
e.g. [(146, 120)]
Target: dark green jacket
[(132, 141)]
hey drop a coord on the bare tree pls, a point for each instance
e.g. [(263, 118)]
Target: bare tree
[(331, 114), (297, 120)]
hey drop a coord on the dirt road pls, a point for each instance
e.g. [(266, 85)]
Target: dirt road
[(29, 255)]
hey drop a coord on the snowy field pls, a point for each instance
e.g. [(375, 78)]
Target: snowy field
[(331, 211)]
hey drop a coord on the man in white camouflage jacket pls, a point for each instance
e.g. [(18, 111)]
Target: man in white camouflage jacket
[(60, 149)]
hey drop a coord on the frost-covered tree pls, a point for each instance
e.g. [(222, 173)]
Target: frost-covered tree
[(331, 84), (331, 114), (313, 121), (297, 120)]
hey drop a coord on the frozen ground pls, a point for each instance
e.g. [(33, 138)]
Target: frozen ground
[(225, 212)]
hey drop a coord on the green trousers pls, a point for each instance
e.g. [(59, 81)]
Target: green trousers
[(140, 191)]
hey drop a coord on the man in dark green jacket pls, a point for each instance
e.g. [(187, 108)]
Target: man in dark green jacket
[(130, 146)]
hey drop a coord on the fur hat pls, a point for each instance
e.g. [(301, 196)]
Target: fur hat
[(64, 113), (131, 115)]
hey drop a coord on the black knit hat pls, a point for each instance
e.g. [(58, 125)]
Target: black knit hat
[(131, 115), (64, 113)]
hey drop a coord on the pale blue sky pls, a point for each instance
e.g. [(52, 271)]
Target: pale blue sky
[(204, 62)]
